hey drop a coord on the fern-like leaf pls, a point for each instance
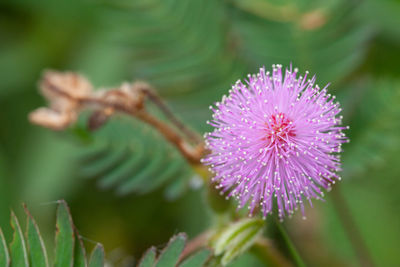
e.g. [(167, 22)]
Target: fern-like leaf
[(130, 157)]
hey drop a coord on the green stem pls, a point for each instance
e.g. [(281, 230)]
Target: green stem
[(291, 247), (351, 228), (268, 254)]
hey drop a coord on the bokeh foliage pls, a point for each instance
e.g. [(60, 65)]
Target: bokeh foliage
[(192, 51)]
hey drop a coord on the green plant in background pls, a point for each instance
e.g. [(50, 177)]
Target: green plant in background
[(192, 51)]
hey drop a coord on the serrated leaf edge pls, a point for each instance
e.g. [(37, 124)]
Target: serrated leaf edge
[(30, 217), (17, 230)]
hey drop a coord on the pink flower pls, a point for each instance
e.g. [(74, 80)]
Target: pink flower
[(275, 137)]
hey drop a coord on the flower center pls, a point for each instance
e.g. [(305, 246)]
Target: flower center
[(279, 128)]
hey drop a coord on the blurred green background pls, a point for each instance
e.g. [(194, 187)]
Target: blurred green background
[(192, 52)]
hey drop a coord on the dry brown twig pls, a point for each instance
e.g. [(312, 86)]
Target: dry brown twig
[(69, 94)]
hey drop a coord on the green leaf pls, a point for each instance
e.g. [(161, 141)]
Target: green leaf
[(19, 255), (36, 247), (97, 257), (149, 258), (103, 163), (170, 255), (65, 238), (171, 170), (80, 252), (4, 256), (146, 173), (197, 259)]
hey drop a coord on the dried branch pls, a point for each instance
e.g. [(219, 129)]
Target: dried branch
[(69, 93), (156, 99)]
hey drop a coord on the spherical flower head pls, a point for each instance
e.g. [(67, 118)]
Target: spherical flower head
[(277, 138)]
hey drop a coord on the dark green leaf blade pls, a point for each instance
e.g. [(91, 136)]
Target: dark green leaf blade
[(36, 247), (197, 259), (170, 255), (4, 256), (19, 255), (149, 258), (97, 257), (65, 239)]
